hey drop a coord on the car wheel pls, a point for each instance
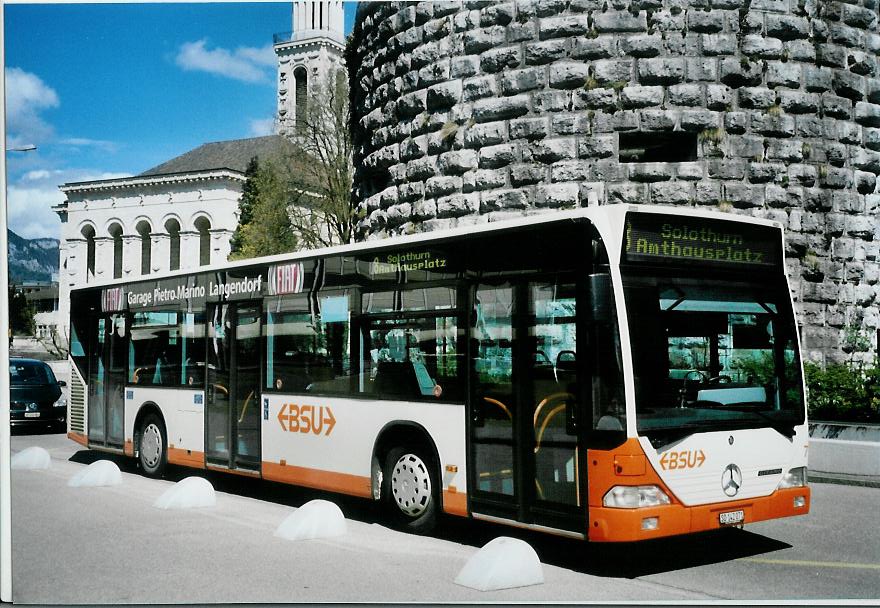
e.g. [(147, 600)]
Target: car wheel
[(410, 489), (152, 452)]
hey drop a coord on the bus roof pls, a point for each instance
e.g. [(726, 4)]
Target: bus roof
[(602, 212)]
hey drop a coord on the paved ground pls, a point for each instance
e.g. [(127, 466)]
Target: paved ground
[(110, 545)]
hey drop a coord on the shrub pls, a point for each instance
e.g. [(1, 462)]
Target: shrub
[(843, 392)]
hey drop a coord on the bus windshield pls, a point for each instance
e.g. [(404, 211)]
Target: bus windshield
[(712, 354)]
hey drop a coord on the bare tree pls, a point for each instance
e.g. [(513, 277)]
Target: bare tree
[(321, 169)]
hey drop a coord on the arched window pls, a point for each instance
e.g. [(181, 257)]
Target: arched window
[(115, 232), (301, 101), (172, 227), (144, 230), (89, 235), (204, 227)]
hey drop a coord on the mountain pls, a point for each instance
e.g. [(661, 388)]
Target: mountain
[(32, 260)]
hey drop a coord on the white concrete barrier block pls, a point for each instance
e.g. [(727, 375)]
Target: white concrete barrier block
[(31, 459), (99, 473), (503, 563), (315, 519), (189, 493)]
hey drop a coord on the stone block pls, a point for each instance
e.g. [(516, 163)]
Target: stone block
[(478, 88), (702, 69), (498, 200), (671, 193), (411, 149), (629, 193), (557, 196), (787, 27), (598, 99), (550, 101), (540, 53), (867, 114), (775, 196), (663, 71), (409, 192), (736, 122), (570, 171), (525, 174), (593, 48), (569, 124), (719, 44), (620, 21), (641, 97), (483, 39), (756, 97), (423, 210), (563, 27), (804, 175), (787, 150), (485, 134), (800, 50), (849, 85), (555, 149), (836, 107), (456, 162), (442, 184), (780, 74), (650, 172), (669, 21), (796, 102), (599, 146), (872, 139), (773, 125), (705, 22), (757, 46), (483, 179), (412, 104), (817, 79), (743, 196), (718, 96), (866, 182), (685, 95), (657, 120), (458, 205), (737, 73), (642, 45), (568, 74), (612, 71), (529, 128), (727, 168), (486, 110), (496, 60), (444, 95), (699, 120), (520, 81), (492, 157), (707, 192), (835, 177)]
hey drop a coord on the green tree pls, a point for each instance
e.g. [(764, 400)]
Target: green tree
[(250, 193), (269, 230), (21, 313)]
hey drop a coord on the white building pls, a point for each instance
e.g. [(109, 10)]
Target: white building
[(312, 50), (180, 214)]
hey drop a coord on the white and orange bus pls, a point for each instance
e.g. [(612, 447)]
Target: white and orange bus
[(614, 373)]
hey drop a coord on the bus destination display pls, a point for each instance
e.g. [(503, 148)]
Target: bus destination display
[(677, 239)]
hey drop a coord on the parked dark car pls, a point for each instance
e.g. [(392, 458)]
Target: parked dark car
[(36, 398)]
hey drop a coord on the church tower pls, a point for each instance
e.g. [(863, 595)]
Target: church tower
[(305, 55)]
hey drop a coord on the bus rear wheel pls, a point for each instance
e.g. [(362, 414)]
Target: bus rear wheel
[(152, 452), (410, 490)]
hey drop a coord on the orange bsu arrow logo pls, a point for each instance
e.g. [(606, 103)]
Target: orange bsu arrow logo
[(317, 419), (686, 459)]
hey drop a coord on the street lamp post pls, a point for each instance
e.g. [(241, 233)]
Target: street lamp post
[(5, 440)]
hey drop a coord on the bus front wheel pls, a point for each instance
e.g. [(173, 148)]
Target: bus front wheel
[(410, 489), (152, 453)]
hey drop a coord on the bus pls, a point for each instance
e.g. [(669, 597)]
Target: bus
[(613, 373)]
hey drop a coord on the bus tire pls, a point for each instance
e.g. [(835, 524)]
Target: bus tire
[(152, 446), (410, 489)]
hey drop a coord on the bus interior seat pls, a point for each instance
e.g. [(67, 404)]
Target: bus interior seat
[(398, 379)]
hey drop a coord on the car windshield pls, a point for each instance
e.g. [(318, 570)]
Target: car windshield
[(712, 354), (30, 373)]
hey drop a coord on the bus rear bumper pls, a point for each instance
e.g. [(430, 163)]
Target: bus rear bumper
[(626, 525)]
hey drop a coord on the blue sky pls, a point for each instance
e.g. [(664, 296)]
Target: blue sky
[(108, 90)]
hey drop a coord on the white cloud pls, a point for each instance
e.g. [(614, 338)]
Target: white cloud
[(27, 96), (262, 126), (30, 199), (244, 63), (109, 146)]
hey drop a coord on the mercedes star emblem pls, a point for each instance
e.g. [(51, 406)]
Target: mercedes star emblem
[(731, 480)]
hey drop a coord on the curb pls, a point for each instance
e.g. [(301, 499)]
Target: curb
[(843, 479)]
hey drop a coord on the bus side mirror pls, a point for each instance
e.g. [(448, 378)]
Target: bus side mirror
[(600, 297)]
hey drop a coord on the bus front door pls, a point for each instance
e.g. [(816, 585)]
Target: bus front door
[(527, 459), (107, 381), (232, 415)]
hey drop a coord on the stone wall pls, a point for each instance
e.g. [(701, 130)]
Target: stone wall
[(471, 111)]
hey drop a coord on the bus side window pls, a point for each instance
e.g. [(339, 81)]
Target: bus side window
[(609, 405)]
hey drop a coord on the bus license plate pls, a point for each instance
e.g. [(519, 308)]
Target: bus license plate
[(32, 414), (731, 517)]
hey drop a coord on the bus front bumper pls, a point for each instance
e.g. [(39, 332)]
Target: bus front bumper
[(626, 525)]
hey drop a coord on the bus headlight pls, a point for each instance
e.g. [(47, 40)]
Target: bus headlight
[(634, 497), (795, 478)]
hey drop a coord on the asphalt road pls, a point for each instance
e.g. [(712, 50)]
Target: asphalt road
[(110, 545)]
